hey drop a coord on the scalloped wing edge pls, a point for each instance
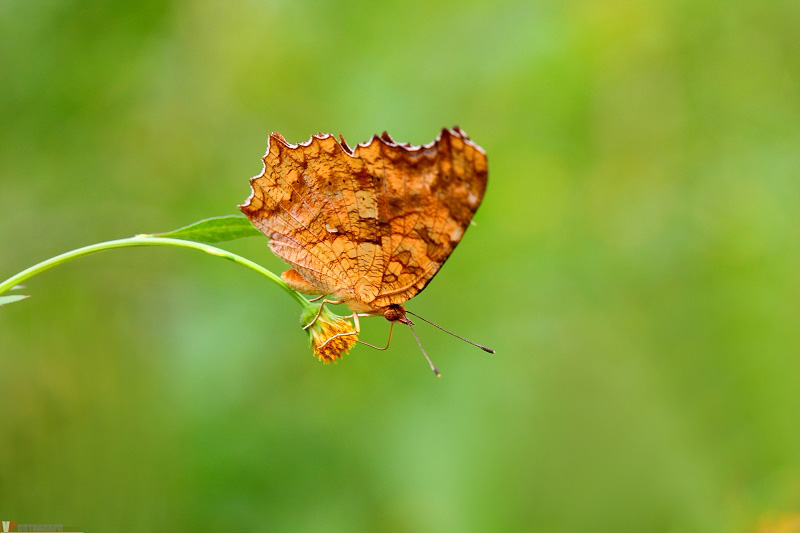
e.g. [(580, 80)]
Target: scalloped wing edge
[(384, 139)]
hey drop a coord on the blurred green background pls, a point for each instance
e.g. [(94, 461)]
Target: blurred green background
[(636, 265)]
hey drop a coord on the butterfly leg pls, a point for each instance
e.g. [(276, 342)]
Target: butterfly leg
[(321, 307), (388, 342), (357, 324)]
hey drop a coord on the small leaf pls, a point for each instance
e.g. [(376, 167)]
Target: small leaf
[(215, 229), (17, 287), (11, 299)]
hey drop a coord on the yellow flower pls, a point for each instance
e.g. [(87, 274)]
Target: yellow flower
[(327, 335)]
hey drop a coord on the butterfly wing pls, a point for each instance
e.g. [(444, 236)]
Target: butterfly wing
[(371, 226), (317, 205), (427, 197)]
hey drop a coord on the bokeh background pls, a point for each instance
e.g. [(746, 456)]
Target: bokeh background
[(636, 265)]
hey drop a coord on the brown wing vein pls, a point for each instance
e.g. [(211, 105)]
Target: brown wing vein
[(302, 227), (305, 248), (406, 233)]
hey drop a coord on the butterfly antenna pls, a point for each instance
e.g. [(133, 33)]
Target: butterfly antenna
[(438, 375), (484, 348)]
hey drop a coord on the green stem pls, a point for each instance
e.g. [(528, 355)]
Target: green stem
[(147, 241)]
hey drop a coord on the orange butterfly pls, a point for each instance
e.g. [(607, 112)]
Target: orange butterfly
[(368, 226)]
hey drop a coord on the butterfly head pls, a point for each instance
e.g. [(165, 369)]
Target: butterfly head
[(397, 313)]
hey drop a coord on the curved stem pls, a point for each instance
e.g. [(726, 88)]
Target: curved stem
[(147, 241)]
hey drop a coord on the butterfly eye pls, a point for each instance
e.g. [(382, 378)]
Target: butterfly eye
[(394, 313)]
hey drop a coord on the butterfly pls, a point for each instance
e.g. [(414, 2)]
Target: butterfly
[(369, 226)]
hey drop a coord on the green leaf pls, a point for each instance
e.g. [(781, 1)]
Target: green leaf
[(215, 229), (11, 299)]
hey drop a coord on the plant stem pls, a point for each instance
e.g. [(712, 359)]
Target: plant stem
[(147, 241)]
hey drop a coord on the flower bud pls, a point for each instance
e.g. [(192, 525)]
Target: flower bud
[(323, 333)]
